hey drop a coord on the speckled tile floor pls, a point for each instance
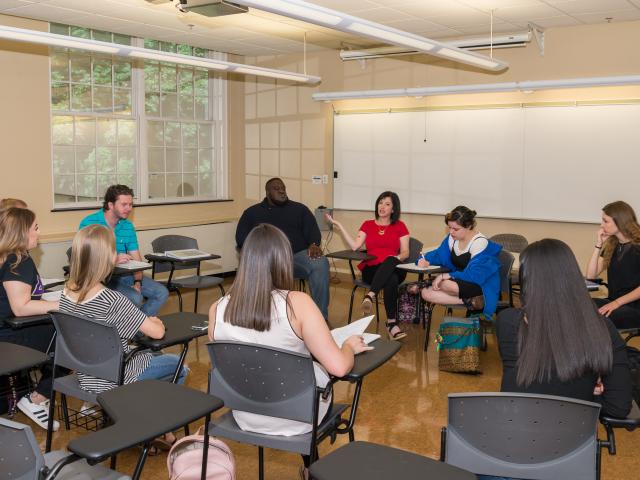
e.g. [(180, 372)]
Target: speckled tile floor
[(403, 404)]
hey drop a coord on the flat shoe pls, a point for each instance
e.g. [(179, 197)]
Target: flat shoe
[(394, 332), (367, 305), (163, 444)]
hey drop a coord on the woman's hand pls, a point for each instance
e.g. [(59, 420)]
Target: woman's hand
[(438, 280), (356, 343), (608, 308), (601, 237), (599, 388), (330, 219), (423, 263)]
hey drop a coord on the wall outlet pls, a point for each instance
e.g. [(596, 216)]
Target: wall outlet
[(316, 179), (325, 179)]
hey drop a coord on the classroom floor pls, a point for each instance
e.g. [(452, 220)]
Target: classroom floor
[(403, 404)]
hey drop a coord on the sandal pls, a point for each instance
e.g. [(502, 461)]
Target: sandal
[(474, 303), (394, 331), (367, 305), (161, 443)]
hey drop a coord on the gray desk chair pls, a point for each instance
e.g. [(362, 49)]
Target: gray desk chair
[(274, 382), (86, 346), (515, 243), (194, 282), (379, 462), (522, 436), (21, 459)]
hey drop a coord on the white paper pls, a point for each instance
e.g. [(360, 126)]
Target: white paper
[(52, 296), (131, 264), (413, 266), (354, 328), (50, 281), (186, 254)]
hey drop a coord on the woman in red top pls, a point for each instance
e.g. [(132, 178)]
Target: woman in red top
[(386, 238)]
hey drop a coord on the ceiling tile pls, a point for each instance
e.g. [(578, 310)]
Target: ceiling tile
[(7, 4), (577, 7), (526, 13), (616, 16), (561, 21)]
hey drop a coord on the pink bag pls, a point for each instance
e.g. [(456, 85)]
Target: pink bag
[(185, 459)]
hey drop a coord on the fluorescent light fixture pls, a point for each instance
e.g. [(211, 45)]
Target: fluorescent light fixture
[(311, 13), (302, 10), (55, 40), (481, 88)]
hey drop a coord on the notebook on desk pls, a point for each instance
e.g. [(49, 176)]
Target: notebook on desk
[(355, 328), (186, 254), (413, 266), (133, 264)]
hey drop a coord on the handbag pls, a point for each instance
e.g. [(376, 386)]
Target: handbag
[(185, 459), (459, 341)]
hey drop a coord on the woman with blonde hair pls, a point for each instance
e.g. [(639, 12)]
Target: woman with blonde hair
[(93, 256), (7, 203), (20, 292), (617, 250)]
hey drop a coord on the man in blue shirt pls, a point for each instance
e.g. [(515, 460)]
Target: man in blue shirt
[(117, 206)]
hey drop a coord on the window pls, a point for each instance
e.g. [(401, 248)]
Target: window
[(155, 126)]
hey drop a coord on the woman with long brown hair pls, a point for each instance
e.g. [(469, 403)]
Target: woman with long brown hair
[(20, 296), (617, 250), (262, 308)]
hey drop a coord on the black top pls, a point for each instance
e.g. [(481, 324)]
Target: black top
[(25, 272), (623, 273), (616, 399), (293, 218)]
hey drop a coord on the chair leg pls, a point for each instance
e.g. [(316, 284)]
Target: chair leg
[(221, 290), (65, 411), (353, 292), (195, 304), (112, 464), (378, 315), (260, 463), (52, 403), (179, 300)]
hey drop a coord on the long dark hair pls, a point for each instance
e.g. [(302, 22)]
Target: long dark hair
[(266, 264), (463, 216), (395, 204), (564, 334), (626, 221)]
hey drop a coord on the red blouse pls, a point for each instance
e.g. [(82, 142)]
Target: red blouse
[(382, 241)]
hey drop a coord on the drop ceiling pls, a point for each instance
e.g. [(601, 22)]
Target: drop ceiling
[(260, 33)]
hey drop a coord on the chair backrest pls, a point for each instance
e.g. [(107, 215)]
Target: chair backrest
[(415, 248), (511, 241), (69, 254), (88, 346), (263, 380), (506, 259), (173, 242), (522, 435), (21, 457)]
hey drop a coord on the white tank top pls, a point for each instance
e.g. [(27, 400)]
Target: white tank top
[(280, 335)]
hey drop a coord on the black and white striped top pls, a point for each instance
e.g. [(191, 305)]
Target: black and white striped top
[(115, 309)]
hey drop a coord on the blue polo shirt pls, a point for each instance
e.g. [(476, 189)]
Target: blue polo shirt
[(124, 231)]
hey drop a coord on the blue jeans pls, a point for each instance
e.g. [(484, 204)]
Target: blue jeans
[(316, 271), (164, 366), (155, 293)]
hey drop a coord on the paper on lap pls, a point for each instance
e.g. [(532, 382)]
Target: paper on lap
[(413, 266), (354, 328)]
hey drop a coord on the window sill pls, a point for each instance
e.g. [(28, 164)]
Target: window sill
[(139, 205)]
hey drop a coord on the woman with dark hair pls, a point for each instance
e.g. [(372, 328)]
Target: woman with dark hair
[(472, 260), (261, 308), (617, 249), (557, 343), (21, 290), (387, 239)]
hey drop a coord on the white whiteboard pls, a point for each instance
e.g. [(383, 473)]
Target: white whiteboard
[(543, 163)]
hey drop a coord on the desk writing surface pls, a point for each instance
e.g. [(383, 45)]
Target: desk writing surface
[(30, 321), (366, 362), (357, 255), (178, 330), (159, 257), (14, 358)]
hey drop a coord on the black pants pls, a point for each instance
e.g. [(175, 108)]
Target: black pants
[(385, 276), (622, 317), (37, 337)]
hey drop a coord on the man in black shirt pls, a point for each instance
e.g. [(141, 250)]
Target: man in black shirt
[(299, 225)]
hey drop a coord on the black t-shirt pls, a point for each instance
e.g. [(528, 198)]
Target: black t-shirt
[(623, 273), (616, 398), (25, 272)]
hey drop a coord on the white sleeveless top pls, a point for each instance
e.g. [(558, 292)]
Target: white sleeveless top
[(280, 335)]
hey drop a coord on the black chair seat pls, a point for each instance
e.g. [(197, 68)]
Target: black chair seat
[(196, 282), (226, 426), (69, 385), (378, 462)]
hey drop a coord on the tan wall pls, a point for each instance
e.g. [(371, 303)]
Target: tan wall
[(594, 50), (25, 137)]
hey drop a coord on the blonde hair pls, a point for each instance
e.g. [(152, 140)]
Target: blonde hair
[(15, 224), (92, 259), (7, 203), (626, 221)]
